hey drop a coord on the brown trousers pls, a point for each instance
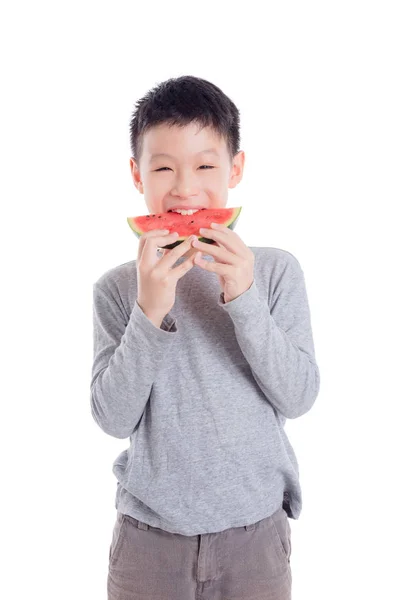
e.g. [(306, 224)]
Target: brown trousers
[(244, 563)]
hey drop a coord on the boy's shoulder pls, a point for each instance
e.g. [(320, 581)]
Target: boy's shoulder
[(265, 256), (273, 256), (115, 276)]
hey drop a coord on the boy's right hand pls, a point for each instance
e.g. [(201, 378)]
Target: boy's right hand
[(156, 278)]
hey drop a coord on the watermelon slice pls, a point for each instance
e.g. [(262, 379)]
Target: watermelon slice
[(185, 225)]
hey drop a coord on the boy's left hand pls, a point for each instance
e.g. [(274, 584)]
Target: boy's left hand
[(235, 268)]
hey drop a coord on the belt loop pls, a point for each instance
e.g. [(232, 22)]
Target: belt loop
[(142, 525)]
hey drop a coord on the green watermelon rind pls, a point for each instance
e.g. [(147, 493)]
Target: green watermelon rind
[(230, 223)]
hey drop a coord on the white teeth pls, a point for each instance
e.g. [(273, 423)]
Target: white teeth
[(185, 212)]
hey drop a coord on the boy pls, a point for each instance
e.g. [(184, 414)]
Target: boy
[(201, 374)]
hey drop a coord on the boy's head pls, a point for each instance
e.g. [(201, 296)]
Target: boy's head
[(184, 117)]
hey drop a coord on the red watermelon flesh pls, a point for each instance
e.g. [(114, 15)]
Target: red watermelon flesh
[(185, 225)]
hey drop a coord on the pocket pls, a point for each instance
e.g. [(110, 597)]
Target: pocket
[(282, 534), (117, 537)]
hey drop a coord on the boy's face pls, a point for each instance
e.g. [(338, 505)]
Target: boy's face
[(184, 179)]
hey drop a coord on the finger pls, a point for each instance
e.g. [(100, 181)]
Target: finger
[(220, 253), (149, 256), (148, 234), (184, 267), (221, 269), (228, 238), (170, 259)]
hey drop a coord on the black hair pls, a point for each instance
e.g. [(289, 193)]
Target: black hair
[(181, 101)]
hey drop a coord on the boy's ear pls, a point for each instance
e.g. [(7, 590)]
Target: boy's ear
[(136, 175), (237, 169)]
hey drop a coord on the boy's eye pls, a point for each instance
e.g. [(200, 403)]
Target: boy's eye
[(207, 167)]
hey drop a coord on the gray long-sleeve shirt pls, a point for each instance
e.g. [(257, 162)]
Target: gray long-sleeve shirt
[(204, 398)]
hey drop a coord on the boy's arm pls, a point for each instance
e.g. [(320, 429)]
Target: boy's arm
[(126, 357), (278, 343)]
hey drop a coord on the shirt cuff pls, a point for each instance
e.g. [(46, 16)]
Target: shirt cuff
[(248, 305), (146, 328)]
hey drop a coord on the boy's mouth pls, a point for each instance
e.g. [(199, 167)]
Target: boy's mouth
[(185, 211)]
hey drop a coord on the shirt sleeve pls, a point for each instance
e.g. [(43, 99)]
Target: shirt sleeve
[(126, 356), (277, 342)]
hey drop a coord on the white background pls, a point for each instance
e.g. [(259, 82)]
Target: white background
[(317, 86)]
